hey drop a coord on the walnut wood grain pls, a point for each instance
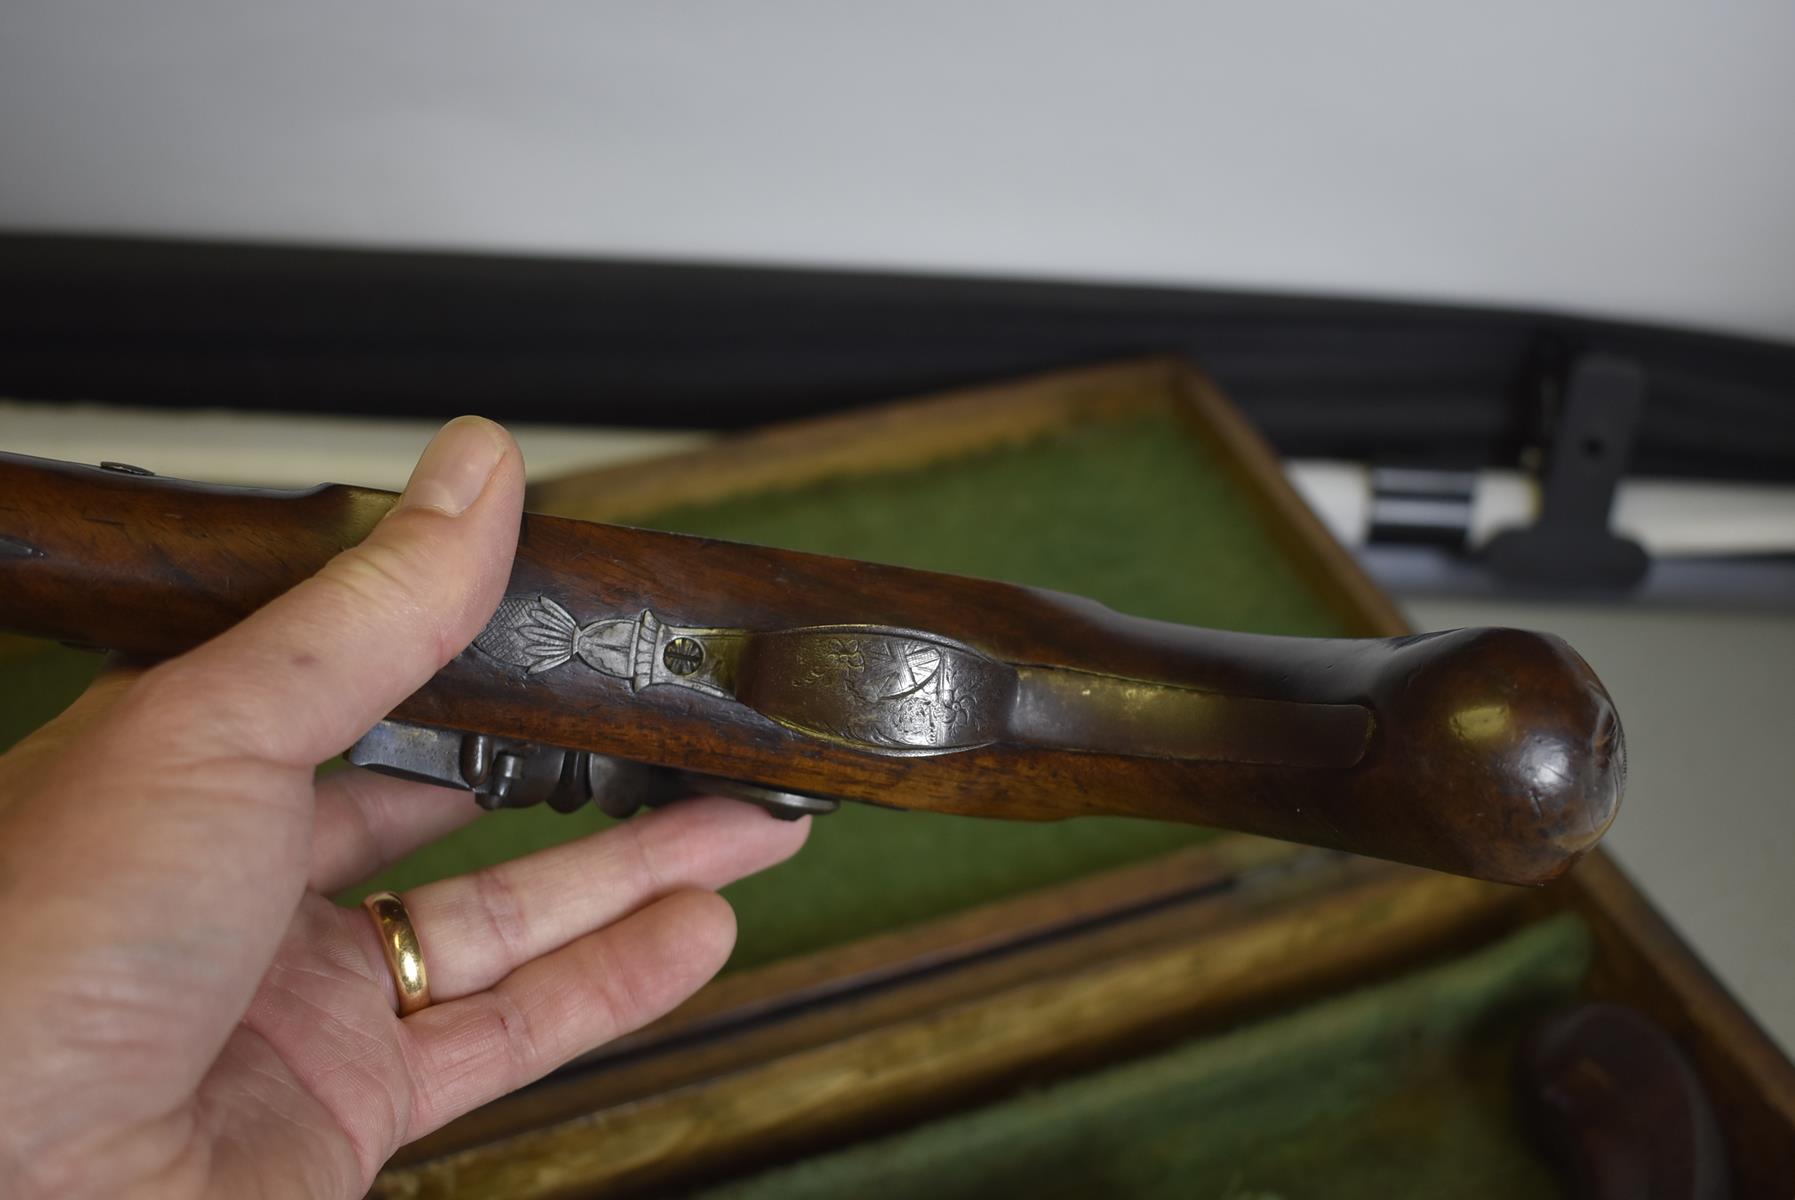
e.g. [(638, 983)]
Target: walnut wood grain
[(1490, 753)]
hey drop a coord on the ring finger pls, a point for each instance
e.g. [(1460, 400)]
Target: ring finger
[(474, 930)]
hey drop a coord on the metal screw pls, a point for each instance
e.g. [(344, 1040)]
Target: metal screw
[(683, 655)]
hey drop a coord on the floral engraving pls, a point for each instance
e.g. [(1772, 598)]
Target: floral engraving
[(535, 633)]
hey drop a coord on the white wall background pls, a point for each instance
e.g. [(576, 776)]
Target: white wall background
[(1632, 158)]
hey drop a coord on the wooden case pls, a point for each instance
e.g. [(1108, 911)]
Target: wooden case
[(800, 1054)]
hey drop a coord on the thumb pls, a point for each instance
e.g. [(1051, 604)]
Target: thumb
[(308, 673)]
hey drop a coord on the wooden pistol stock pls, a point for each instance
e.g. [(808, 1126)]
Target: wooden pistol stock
[(627, 666)]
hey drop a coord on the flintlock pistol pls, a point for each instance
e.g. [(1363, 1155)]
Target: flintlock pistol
[(628, 667)]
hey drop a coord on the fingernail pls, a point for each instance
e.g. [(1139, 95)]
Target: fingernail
[(455, 467)]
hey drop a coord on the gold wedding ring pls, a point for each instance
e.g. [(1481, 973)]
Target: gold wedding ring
[(400, 941)]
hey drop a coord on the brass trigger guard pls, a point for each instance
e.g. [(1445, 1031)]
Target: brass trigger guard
[(506, 773)]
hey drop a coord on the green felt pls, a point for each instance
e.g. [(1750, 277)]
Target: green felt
[(1396, 1090), (1134, 513), (37, 681)]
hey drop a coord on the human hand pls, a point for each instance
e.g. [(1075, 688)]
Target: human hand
[(183, 1011)]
